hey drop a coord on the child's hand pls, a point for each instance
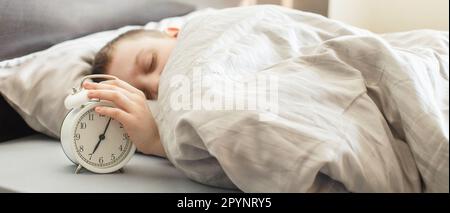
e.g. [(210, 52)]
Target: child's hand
[(132, 111)]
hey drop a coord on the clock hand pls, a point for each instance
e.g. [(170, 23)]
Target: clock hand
[(107, 125), (96, 146), (101, 137)]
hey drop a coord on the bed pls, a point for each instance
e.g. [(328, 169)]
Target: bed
[(366, 99)]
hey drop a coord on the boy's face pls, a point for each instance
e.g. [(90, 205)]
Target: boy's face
[(140, 61)]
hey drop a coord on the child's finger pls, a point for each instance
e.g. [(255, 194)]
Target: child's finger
[(121, 100), (97, 86), (115, 113), (123, 85)]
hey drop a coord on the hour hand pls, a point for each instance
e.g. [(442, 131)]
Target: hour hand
[(100, 138)]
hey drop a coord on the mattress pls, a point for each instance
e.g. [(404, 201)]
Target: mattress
[(37, 164)]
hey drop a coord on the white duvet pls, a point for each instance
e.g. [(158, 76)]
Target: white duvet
[(356, 111)]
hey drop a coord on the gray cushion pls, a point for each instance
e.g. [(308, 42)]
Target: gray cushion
[(33, 25), (28, 26)]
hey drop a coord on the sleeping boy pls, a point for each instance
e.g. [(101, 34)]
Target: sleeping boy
[(137, 58)]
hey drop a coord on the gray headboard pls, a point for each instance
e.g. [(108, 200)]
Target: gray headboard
[(27, 26), (32, 25)]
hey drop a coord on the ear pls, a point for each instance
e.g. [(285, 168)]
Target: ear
[(172, 31)]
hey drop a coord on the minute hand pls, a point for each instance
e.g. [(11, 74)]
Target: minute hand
[(102, 136)]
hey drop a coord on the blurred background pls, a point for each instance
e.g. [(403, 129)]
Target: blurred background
[(379, 16)]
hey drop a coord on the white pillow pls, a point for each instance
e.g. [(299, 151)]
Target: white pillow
[(37, 84)]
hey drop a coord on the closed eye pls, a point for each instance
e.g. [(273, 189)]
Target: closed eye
[(152, 64)]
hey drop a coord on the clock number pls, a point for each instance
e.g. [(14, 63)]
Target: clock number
[(113, 157), (121, 125), (101, 116), (81, 148), (91, 116), (82, 125), (77, 136), (100, 160), (90, 156), (121, 148), (125, 136)]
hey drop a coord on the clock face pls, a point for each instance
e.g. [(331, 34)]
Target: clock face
[(100, 141)]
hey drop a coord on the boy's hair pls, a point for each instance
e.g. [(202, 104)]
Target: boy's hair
[(103, 57)]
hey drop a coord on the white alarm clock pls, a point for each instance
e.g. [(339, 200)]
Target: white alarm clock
[(92, 141)]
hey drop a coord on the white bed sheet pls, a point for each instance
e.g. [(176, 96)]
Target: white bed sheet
[(351, 110)]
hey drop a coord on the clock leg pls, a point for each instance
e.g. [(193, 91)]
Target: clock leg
[(78, 169), (121, 170)]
